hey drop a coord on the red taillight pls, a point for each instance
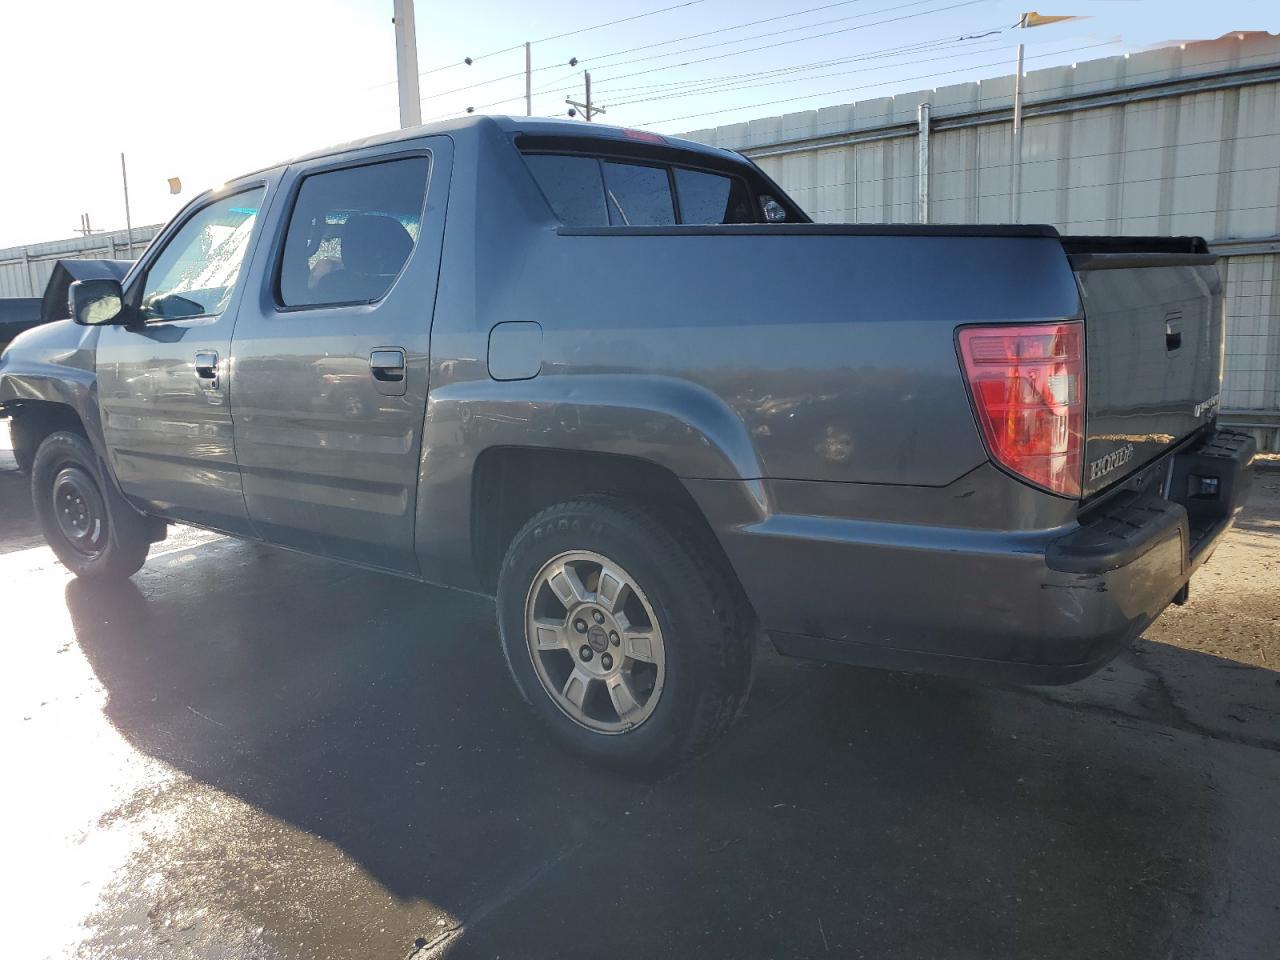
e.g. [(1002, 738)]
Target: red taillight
[(1027, 384)]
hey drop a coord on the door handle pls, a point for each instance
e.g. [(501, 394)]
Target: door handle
[(388, 369), (207, 369), (1173, 330), (387, 365)]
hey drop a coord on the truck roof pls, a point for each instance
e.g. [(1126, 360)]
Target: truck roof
[(551, 127), (541, 126)]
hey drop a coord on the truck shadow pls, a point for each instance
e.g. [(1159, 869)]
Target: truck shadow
[(899, 815)]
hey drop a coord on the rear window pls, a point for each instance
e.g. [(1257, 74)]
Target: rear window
[(592, 192)]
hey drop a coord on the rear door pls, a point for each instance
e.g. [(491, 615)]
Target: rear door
[(1153, 331), (330, 356)]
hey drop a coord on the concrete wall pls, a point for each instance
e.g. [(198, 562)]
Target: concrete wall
[(1183, 140)]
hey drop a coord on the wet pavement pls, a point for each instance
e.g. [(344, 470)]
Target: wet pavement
[(249, 753)]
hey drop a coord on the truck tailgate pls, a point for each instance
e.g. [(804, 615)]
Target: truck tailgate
[(1153, 333)]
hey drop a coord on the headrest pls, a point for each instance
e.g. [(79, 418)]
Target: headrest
[(375, 244)]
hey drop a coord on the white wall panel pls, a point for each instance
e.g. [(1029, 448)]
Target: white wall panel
[(1201, 157)]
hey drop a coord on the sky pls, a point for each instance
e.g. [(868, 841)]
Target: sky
[(206, 90)]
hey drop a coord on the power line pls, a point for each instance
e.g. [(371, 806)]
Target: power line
[(553, 88), (795, 67), (468, 61), (736, 26), (612, 23), (922, 47), (760, 36), (778, 33), (662, 43), (485, 83), (827, 93), (731, 87), (783, 43)]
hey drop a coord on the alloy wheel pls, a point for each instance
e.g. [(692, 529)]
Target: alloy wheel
[(595, 642)]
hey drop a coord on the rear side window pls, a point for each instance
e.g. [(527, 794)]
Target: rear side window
[(351, 232), (711, 198), (638, 195), (594, 192), (573, 187)]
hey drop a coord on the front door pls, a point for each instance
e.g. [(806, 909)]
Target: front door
[(163, 379), (331, 354)]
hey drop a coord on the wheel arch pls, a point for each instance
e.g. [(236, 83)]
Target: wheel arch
[(510, 484), (494, 453), (31, 421)]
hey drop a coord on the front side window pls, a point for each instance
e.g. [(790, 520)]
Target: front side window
[(351, 232), (195, 274)]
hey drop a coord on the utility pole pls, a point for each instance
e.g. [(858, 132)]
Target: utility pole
[(1015, 159), (1015, 156), (407, 63), (588, 111), (922, 162), (528, 79), (128, 219)]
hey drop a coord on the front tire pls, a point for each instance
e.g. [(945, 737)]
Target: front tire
[(623, 633), (86, 521)]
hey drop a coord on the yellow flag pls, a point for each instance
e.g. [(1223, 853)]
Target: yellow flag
[(175, 185), (1036, 20)]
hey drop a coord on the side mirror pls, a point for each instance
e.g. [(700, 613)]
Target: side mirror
[(95, 302)]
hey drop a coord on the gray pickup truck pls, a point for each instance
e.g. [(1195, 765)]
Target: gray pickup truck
[(624, 384)]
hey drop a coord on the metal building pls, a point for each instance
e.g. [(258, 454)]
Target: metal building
[(24, 271), (1181, 140)]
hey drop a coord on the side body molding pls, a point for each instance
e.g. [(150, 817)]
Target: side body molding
[(667, 421)]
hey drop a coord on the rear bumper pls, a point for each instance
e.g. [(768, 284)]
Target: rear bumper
[(1045, 606)]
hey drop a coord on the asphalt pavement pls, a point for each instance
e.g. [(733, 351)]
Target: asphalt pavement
[(245, 753)]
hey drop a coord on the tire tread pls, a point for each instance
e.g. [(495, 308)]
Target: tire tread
[(129, 542)]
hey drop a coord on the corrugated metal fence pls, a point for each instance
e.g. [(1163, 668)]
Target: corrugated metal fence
[(24, 271), (1183, 140)]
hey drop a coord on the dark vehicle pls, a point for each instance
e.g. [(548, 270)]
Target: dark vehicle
[(20, 314), (17, 315), (622, 383)]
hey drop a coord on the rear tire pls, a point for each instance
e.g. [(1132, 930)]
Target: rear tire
[(86, 521), (641, 649)]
